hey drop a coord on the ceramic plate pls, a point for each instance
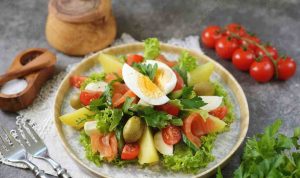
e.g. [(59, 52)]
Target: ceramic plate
[(225, 145)]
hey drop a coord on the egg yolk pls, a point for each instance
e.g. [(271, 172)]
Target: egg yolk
[(148, 88), (161, 78)]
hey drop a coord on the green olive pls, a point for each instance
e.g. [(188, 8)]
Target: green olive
[(75, 101), (133, 129), (204, 89)]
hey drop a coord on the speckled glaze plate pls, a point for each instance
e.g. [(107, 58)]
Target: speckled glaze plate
[(225, 145)]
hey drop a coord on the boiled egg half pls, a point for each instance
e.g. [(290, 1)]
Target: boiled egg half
[(149, 91), (165, 78)]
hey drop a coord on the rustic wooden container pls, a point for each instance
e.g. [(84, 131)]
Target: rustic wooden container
[(18, 101), (79, 27)]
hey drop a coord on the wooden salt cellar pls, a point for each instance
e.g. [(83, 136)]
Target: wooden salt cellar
[(78, 27), (18, 101)]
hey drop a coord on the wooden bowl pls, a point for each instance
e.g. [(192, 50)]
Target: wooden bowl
[(35, 81), (242, 111), (80, 29)]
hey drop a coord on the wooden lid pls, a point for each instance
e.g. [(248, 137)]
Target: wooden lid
[(80, 11)]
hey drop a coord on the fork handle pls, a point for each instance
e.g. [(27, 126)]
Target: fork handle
[(37, 172), (61, 172)]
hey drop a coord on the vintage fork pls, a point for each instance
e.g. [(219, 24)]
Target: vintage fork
[(38, 149), (14, 152)]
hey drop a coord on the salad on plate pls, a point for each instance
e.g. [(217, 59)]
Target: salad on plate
[(145, 109)]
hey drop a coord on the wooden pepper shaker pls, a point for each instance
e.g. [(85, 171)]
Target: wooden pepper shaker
[(78, 27)]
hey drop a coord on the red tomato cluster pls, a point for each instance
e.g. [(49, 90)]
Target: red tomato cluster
[(248, 53)]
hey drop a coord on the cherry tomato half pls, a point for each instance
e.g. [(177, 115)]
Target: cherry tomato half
[(236, 29), (134, 58), (87, 96), (77, 80), (210, 35), (225, 47), (242, 58), (286, 68), (163, 59), (169, 108), (171, 134), (130, 151), (180, 83), (262, 71), (219, 112), (272, 51)]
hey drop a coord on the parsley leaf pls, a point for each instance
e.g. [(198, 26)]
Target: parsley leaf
[(188, 93), (127, 105), (187, 62), (189, 99), (155, 118), (270, 154), (147, 69), (189, 143), (195, 102), (98, 104), (108, 119), (152, 48), (182, 73)]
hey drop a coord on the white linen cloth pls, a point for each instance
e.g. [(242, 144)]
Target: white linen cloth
[(40, 113)]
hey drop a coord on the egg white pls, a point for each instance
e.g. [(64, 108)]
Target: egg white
[(143, 87), (96, 86), (213, 102)]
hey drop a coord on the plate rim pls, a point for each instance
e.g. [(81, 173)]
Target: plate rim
[(165, 48)]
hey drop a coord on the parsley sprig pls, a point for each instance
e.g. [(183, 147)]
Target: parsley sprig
[(147, 69)]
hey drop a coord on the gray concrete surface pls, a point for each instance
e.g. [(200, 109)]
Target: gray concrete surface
[(22, 26)]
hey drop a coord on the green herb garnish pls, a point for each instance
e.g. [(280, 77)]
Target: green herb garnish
[(152, 48), (187, 62), (146, 69)]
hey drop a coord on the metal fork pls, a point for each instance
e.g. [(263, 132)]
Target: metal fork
[(38, 149), (14, 152)]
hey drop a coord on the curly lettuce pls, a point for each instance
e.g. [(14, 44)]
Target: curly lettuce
[(152, 48)]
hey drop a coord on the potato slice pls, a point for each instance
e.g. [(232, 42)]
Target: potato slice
[(77, 118)]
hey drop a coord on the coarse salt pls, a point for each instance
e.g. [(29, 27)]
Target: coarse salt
[(14, 86)]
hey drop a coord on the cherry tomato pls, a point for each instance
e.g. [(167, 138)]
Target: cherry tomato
[(248, 44), (87, 96), (210, 35), (134, 58), (106, 145), (242, 58), (219, 112), (273, 52), (180, 82), (188, 122), (130, 151), (286, 68), (163, 59), (225, 47), (171, 134), (262, 71), (236, 29), (169, 108), (77, 80)]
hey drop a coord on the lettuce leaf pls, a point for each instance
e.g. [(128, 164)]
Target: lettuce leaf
[(86, 143), (152, 48), (187, 62), (187, 160), (108, 119)]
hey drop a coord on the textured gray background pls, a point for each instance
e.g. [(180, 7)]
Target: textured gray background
[(22, 26)]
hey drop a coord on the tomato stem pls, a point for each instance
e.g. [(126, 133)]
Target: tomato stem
[(262, 48)]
